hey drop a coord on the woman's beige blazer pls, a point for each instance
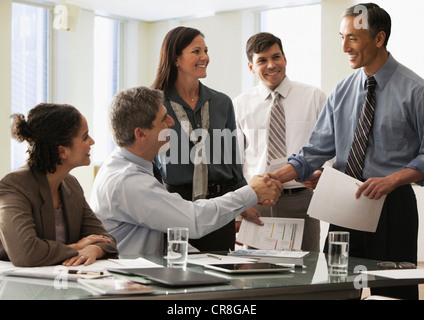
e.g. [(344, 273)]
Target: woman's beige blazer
[(27, 223)]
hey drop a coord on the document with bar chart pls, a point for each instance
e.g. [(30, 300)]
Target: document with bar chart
[(275, 234)]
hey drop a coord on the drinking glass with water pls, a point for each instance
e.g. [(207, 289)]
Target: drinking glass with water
[(338, 251), (177, 247)]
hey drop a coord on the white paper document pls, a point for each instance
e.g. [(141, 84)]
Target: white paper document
[(275, 234), (92, 271), (398, 273), (334, 202), (205, 258), (269, 253)]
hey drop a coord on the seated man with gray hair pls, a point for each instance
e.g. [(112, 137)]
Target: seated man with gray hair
[(133, 204)]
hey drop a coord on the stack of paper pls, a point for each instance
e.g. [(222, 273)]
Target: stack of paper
[(275, 234)]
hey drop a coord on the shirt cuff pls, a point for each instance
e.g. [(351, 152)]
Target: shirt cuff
[(417, 164), (249, 196), (303, 169)]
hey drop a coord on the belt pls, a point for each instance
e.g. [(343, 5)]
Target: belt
[(294, 190), (214, 188)]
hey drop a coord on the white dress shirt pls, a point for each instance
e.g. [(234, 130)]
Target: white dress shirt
[(136, 209), (302, 104)]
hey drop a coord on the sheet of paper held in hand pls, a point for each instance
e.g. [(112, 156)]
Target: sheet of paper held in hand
[(276, 233), (334, 202)]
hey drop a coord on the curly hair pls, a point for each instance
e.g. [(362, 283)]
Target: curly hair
[(48, 126)]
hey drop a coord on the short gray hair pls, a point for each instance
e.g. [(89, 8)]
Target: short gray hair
[(133, 108)]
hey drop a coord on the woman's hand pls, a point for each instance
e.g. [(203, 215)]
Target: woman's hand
[(87, 251), (86, 241), (85, 256)]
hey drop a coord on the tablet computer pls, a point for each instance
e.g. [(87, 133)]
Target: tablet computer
[(172, 277), (247, 267)]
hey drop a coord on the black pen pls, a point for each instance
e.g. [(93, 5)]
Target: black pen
[(91, 273), (212, 256)]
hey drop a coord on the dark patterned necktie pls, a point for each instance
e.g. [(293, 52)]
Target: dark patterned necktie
[(277, 131), (355, 161), (157, 173)]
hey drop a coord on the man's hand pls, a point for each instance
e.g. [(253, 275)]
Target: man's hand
[(252, 215), (267, 189), (313, 180), (375, 188)]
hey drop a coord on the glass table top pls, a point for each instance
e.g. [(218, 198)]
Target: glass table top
[(314, 278)]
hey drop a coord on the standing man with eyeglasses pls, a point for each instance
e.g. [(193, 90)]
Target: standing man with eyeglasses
[(386, 101)]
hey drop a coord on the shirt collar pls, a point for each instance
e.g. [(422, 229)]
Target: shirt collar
[(283, 89), (383, 75), (148, 165)]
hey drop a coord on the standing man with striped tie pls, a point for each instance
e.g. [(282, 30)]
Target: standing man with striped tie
[(373, 122), (275, 119)]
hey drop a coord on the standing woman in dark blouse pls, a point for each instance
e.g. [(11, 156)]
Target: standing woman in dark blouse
[(44, 217), (200, 113)]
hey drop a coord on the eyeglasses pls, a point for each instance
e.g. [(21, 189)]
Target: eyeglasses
[(396, 265)]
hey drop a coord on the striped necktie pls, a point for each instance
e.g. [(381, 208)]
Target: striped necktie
[(277, 131), (355, 161)]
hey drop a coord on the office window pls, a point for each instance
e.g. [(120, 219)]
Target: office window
[(30, 65), (107, 44), (299, 29)]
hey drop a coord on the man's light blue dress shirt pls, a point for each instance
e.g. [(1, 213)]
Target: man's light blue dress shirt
[(136, 209), (397, 138)]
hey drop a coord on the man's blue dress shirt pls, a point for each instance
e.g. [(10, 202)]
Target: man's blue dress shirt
[(397, 138)]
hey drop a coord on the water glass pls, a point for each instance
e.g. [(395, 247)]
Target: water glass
[(338, 252), (177, 247)]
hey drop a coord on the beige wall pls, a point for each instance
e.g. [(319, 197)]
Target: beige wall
[(334, 64), (226, 36), (5, 84)]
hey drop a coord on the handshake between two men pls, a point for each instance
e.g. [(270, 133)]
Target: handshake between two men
[(267, 188)]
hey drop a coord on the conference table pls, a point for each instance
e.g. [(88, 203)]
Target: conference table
[(314, 282)]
